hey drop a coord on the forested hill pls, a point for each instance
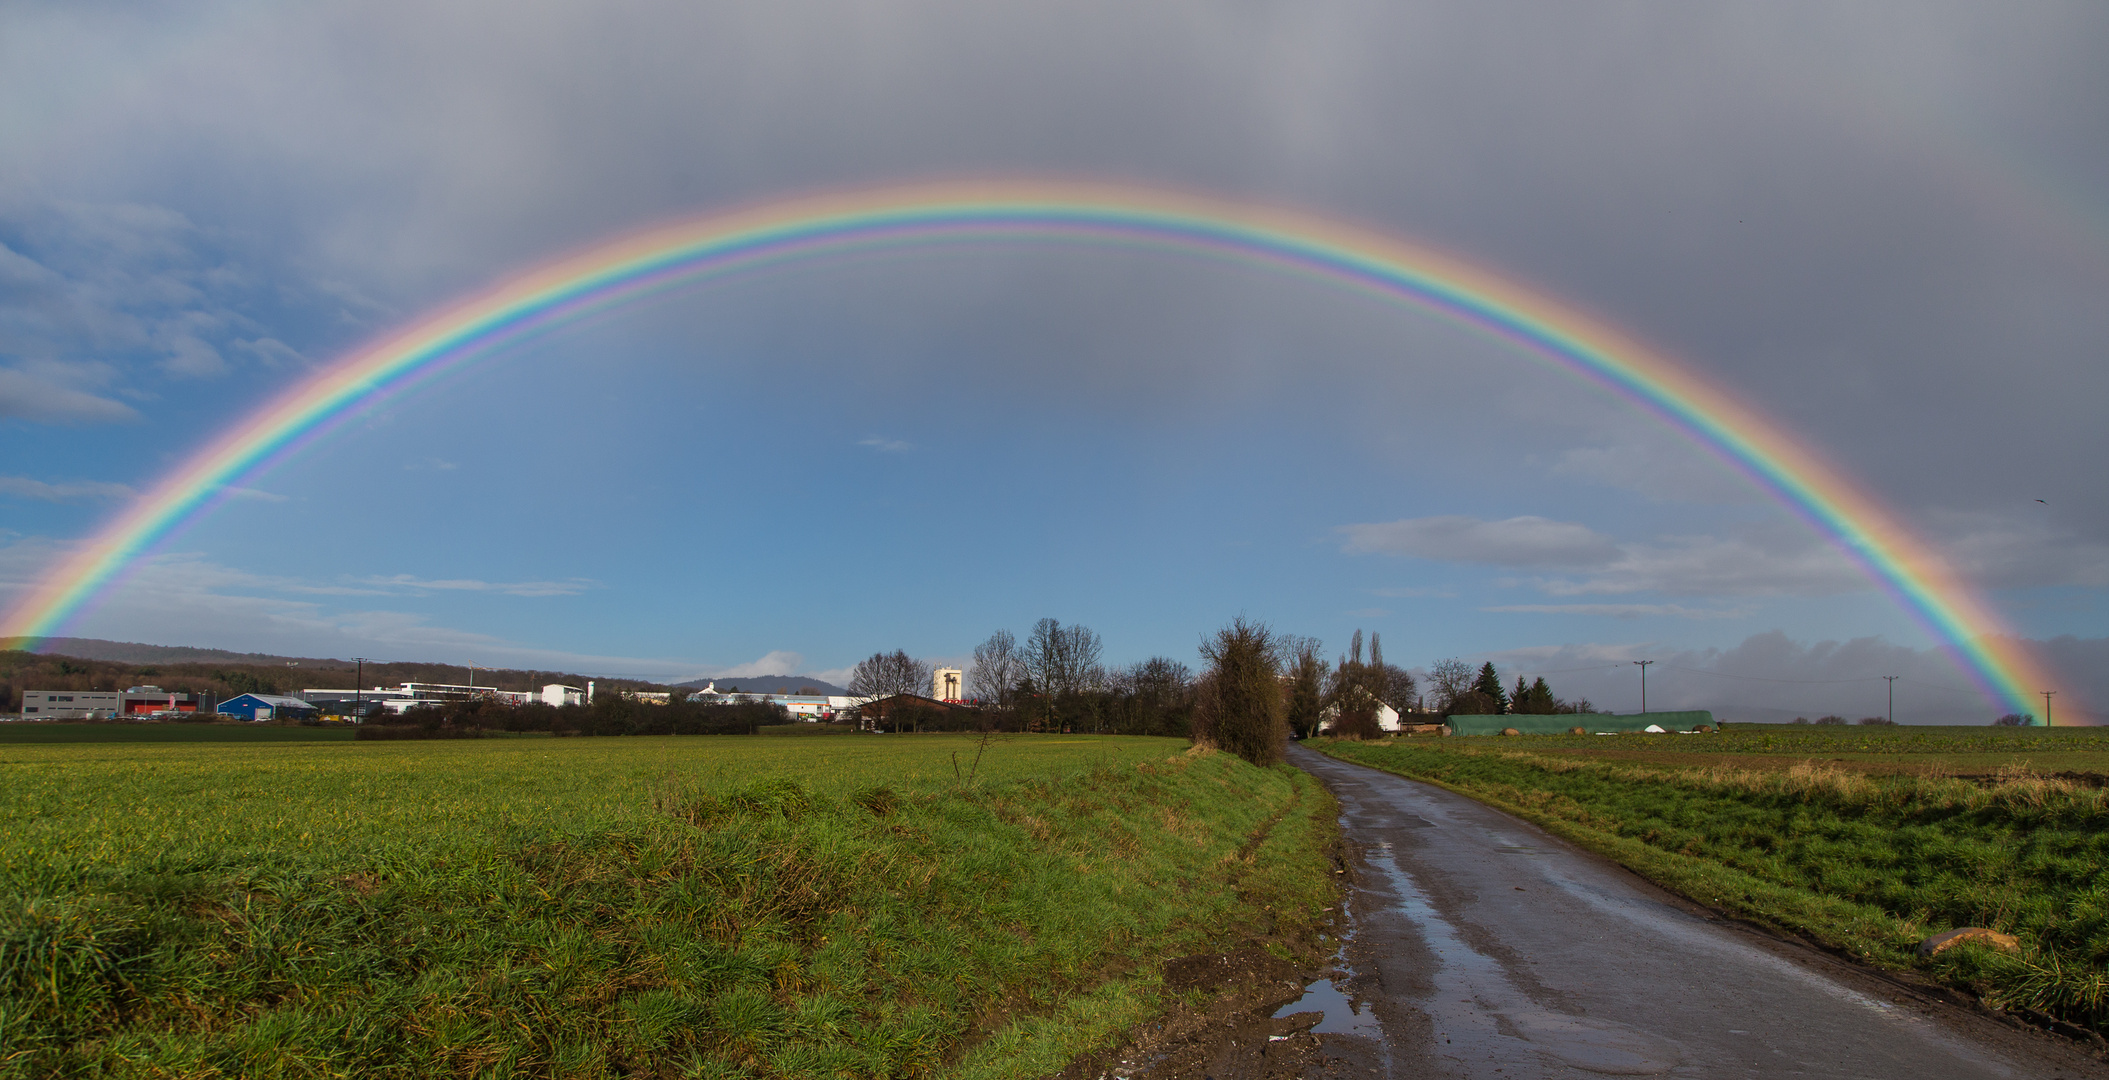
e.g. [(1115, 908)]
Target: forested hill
[(132, 652)]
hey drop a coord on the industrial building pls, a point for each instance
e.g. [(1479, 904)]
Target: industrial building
[(948, 684), (104, 704), (261, 707), (802, 706)]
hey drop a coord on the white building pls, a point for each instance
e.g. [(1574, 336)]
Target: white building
[(1387, 717), (803, 706), (559, 694), (948, 684)]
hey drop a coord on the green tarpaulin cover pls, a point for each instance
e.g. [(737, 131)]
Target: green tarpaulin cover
[(1559, 723)]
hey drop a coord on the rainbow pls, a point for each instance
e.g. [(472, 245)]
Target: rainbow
[(892, 218)]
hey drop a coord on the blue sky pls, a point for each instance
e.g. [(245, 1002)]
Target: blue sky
[(1884, 228)]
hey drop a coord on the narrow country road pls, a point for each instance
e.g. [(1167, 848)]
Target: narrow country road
[(1482, 946)]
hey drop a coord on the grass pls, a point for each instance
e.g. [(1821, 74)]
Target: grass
[(624, 907), (1866, 862), (33, 734)]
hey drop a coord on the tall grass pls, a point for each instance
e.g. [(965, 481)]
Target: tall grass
[(642, 907), (1868, 864)]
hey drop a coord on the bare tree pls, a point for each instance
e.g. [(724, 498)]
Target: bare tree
[(1239, 705), (997, 670), (1449, 680), (1305, 704), (886, 674), (1062, 660)]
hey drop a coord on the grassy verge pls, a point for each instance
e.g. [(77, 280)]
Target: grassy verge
[(1867, 864), (635, 907)]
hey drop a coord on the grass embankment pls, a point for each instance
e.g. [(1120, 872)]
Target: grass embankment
[(1868, 863), (639, 907)]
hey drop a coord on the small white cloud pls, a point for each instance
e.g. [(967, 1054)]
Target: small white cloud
[(24, 487), (409, 583), (192, 357), (271, 352), (780, 662), (1622, 611), (886, 446), (1517, 541), (256, 494)]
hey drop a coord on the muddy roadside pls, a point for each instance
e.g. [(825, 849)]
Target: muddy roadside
[(1243, 1015)]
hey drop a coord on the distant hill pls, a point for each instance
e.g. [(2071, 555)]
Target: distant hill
[(132, 652), (94, 664), (770, 684)]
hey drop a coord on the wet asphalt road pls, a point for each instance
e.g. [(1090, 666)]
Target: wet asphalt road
[(1483, 947)]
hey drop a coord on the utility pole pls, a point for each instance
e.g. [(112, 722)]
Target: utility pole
[(359, 690), (2046, 706), (1643, 685), (1892, 698)]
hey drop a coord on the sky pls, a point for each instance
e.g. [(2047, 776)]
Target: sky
[(1885, 226)]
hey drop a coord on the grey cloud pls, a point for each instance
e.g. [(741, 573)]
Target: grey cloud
[(1659, 465), (1753, 564), (1759, 561), (1515, 542), (1772, 677), (2023, 549), (27, 397)]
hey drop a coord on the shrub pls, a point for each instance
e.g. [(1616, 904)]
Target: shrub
[(1239, 707)]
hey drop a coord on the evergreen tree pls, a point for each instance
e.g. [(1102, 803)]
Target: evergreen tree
[(1489, 685)]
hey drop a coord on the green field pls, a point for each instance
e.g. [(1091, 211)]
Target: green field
[(43, 733), (1867, 840), (857, 906)]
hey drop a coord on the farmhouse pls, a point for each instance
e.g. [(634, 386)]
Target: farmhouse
[(1387, 717)]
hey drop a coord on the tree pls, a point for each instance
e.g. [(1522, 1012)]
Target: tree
[(1830, 719), (1305, 706), (1875, 721), (1238, 708), (1488, 685), (1062, 661), (1449, 680), (997, 671), (2013, 719), (1536, 699), (1356, 686), (883, 675), (1399, 689)]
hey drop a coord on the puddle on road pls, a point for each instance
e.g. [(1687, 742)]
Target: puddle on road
[(1341, 1016), (1484, 1025)]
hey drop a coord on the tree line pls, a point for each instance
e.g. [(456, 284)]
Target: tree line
[(607, 715)]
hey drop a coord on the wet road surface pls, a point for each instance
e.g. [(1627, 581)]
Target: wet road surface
[(1484, 947)]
